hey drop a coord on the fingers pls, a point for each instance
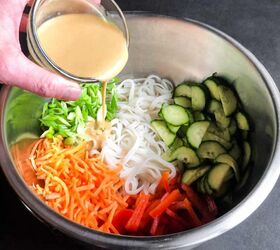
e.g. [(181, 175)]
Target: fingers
[(22, 73)]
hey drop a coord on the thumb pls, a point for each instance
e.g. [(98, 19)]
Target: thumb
[(23, 73)]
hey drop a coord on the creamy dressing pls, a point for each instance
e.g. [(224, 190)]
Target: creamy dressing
[(104, 108), (84, 45)]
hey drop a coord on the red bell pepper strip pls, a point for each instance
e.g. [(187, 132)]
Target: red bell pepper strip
[(197, 202), (154, 227), (121, 218), (165, 203), (134, 222), (212, 207), (192, 213)]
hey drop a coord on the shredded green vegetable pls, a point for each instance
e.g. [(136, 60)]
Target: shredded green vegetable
[(66, 118)]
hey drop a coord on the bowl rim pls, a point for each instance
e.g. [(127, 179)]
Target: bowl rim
[(188, 238)]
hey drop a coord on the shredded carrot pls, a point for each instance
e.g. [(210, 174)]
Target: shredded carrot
[(80, 187)]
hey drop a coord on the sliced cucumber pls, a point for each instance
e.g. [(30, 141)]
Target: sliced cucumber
[(198, 98), (221, 132), (168, 156), (196, 131), (165, 134), (244, 134), (182, 131), (183, 89), (222, 191), (222, 120), (242, 121), (207, 187), (191, 175), (229, 160), (176, 144), (191, 118), (235, 151), (187, 156), (200, 186), (185, 102), (198, 116), (172, 128), (216, 108), (175, 115), (185, 142), (232, 127), (160, 112), (247, 154), (228, 99), (212, 137), (210, 150), (213, 88), (243, 181), (218, 175)]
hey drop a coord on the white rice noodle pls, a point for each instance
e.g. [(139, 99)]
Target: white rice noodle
[(133, 143)]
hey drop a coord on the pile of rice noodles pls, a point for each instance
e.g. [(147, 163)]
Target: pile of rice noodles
[(132, 142)]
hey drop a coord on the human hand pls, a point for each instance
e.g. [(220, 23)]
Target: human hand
[(18, 70)]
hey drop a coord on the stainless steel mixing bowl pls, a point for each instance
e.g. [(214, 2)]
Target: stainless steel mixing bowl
[(177, 49)]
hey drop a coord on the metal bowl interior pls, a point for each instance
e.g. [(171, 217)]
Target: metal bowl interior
[(178, 50)]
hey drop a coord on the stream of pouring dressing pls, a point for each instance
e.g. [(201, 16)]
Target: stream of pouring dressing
[(85, 45)]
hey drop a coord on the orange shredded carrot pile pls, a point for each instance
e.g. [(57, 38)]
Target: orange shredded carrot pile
[(80, 187)]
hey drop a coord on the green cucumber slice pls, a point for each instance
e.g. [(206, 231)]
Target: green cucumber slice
[(243, 181), (175, 115), (229, 160), (201, 185), (185, 142), (191, 175), (187, 156), (176, 144), (222, 120), (172, 128), (223, 190), (207, 187), (165, 134), (247, 154), (232, 127), (196, 131), (183, 101), (198, 98), (228, 99), (167, 156), (213, 88), (235, 151), (210, 150), (183, 89), (212, 137), (242, 121), (198, 116), (182, 131), (244, 134), (216, 108), (221, 132), (218, 175)]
